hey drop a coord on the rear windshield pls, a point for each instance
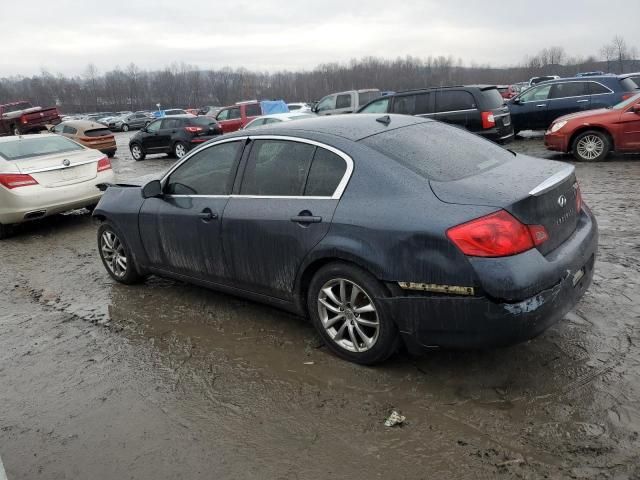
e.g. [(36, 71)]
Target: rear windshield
[(97, 132), (366, 97), (628, 84), (492, 99), (439, 152), (34, 146)]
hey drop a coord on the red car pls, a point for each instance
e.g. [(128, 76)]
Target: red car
[(236, 116), (592, 134)]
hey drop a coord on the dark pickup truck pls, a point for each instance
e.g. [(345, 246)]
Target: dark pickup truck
[(18, 118)]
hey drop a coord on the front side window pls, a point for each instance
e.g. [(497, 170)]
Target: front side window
[(234, 113), (326, 172), (379, 106), (327, 103), (223, 115), (154, 127), (568, 89), (207, 172), (343, 101), (277, 168), (453, 100), (253, 110), (536, 94)]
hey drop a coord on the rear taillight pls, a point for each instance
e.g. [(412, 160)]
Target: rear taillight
[(24, 120), (104, 164), (488, 120), (496, 235), (16, 180), (193, 129)]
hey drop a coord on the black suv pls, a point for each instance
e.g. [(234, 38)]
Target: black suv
[(173, 135), (478, 108)]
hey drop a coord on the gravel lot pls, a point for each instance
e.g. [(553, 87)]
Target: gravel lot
[(166, 380)]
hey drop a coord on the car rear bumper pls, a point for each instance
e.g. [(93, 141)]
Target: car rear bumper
[(35, 201), (556, 142), (501, 135), (195, 141), (484, 321)]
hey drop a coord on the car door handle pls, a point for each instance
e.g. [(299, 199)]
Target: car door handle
[(207, 215), (541, 105), (582, 101), (306, 219)]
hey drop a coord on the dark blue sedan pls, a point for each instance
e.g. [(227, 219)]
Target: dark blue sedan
[(381, 229)]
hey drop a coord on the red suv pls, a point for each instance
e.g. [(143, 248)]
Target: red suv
[(236, 116), (591, 135)]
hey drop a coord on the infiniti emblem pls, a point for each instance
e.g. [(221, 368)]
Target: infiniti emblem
[(66, 162), (562, 200)]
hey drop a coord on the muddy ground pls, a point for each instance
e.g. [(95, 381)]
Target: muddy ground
[(166, 380)]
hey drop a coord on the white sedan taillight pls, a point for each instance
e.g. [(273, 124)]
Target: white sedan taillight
[(16, 180)]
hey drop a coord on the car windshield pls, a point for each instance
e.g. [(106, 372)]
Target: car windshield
[(16, 107), (438, 151), (34, 147), (624, 104)]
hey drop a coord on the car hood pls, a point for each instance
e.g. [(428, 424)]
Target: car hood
[(587, 114)]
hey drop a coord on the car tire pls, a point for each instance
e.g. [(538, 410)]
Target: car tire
[(180, 149), (116, 255), (111, 154), (15, 131), (137, 152), (591, 146), (125, 127), (5, 231), (342, 314)]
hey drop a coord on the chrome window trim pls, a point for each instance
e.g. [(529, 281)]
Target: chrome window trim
[(60, 167), (337, 194), (575, 96), (456, 111)]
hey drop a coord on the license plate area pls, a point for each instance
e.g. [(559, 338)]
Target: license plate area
[(577, 276)]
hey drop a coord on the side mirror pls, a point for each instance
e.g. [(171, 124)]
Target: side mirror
[(636, 109), (152, 189)]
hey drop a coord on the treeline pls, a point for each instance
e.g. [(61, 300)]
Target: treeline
[(182, 85)]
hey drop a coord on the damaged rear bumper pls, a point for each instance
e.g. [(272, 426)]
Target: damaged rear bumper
[(480, 322)]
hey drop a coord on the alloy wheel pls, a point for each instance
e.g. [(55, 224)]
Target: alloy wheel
[(348, 315), (125, 128), (590, 147), (113, 253), (180, 150), (136, 151)]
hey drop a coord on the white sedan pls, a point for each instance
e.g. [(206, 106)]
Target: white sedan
[(41, 175), (276, 118)]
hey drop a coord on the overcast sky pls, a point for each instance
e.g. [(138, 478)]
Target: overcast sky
[(63, 36)]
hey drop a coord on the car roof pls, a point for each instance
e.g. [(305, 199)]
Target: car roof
[(18, 138), (353, 127), (83, 124), (285, 115)]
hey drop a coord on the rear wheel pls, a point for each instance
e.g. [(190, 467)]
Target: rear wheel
[(116, 256), (591, 146), (125, 127), (343, 304), (137, 152), (180, 149), (15, 130), (111, 154)]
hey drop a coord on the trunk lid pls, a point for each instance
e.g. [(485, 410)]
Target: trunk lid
[(52, 171), (536, 192)]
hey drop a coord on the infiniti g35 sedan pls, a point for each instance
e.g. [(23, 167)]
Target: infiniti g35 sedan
[(41, 175), (384, 230)]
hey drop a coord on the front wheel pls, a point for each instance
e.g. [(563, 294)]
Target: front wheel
[(180, 150), (343, 302), (125, 127), (591, 146), (137, 152), (116, 255)]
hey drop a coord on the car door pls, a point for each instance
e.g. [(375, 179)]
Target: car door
[(138, 120), (229, 119), (566, 98), (283, 208), (601, 96), (326, 106), (180, 230), (167, 129), (529, 110), (150, 137), (345, 103), (456, 107), (629, 127)]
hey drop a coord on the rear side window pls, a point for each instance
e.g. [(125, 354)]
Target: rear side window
[(69, 130), (277, 168), (438, 151), (491, 99), (417, 104), (568, 89), (343, 101), (170, 123), (628, 84), (366, 97), (326, 172), (452, 100), (207, 172), (596, 88), (253, 110), (97, 132), (34, 146)]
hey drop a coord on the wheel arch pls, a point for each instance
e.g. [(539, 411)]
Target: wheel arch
[(586, 128)]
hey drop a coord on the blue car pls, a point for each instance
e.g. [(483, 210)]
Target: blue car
[(537, 107)]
